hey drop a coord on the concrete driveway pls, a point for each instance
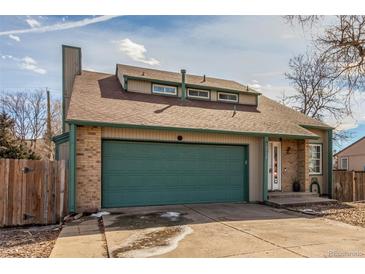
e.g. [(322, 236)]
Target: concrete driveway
[(228, 230)]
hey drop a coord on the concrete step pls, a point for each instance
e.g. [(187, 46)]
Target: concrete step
[(298, 201), (273, 195)]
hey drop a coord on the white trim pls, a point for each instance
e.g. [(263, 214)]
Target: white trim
[(320, 159), (271, 185), (199, 97), (164, 86), (347, 162), (228, 93)]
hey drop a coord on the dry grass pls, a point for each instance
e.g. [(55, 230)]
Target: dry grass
[(31, 242)]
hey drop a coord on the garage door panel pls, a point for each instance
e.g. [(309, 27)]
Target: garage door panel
[(137, 173)]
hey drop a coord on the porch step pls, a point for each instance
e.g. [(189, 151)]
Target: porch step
[(274, 195), (305, 200)]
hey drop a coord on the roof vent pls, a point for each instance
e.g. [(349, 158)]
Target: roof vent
[(204, 78), (142, 73)]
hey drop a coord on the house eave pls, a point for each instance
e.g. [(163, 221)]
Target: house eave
[(246, 133)]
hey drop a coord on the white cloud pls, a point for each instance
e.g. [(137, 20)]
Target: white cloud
[(59, 26), (29, 63), (33, 23), (26, 63), (14, 37), (136, 52)]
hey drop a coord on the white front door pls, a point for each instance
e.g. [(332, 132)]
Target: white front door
[(274, 178)]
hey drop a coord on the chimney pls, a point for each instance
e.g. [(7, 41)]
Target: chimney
[(183, 88), (71, 66)]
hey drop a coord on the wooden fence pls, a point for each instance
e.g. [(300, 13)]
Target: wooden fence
[(32, 192), (349, 186)]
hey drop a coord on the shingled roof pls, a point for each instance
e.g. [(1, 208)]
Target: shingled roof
[(99, 98), (161, 75)]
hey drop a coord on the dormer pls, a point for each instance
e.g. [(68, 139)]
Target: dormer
[(185, 86)]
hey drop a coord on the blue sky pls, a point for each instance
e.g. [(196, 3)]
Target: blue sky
[(253, 50)]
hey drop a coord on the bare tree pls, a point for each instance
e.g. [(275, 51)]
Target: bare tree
[(56, 117), (16, 105), (303, 20), (341, 45), (317, 95), (36, 115), (29, 111)]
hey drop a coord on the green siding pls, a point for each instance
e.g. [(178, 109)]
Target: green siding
[(146, 173)]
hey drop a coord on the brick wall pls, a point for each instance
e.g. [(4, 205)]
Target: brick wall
[(289, 164), (88, 164), (303, 165)]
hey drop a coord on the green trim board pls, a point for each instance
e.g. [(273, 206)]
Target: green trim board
[(183, 84), (330, 161), (72, 170), (62, 138), (58, 140), (257, 134), (138, 173), (265, 169)]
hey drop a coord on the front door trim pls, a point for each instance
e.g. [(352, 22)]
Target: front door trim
[(274, 166)]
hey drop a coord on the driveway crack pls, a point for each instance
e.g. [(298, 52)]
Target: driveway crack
[(245, 232)]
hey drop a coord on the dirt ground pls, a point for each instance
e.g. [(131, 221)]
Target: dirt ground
[(28, 242), (351, 213)]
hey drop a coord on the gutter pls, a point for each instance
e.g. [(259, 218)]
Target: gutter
[(246, 133)]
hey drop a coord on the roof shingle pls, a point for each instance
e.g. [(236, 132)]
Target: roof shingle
[(98, 97)]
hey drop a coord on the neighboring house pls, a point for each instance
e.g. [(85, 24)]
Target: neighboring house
[(352, 157), (149, 137)]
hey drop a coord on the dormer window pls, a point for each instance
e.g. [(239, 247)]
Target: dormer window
[(228, 97), (198, 93), (163, 89)]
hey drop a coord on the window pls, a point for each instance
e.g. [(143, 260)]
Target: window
[(162, 89), (197, 93), (228, 97), (344, 163), (315, 158)]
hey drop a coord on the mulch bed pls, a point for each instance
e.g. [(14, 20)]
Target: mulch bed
[(351, 213), (29, 242)]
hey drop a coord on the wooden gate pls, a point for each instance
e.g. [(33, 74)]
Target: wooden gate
[(32, 192), (349, 186)]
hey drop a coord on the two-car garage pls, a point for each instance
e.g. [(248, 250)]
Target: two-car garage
[(151, 173)]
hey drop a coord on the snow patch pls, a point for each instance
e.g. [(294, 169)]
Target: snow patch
[(173, 216), (172, 243), (99, 214)]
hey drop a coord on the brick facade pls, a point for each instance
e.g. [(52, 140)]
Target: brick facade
[(294, 155), (88, 172)]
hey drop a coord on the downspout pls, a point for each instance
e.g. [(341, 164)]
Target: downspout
[(72, 170), (183, 87), (265, 148), (330, 161)]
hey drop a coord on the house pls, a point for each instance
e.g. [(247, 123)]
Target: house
[(150, 137), (352, 157)]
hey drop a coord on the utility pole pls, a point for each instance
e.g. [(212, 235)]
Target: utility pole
[(49, 126)]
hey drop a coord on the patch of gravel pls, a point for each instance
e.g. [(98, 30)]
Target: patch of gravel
[(351, 213), (30, 242)]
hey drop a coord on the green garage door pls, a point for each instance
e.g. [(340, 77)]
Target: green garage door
[(146, 173)]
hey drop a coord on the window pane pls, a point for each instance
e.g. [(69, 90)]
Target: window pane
[(199, 93), (315, 159), (164, 89), (228, 97)]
